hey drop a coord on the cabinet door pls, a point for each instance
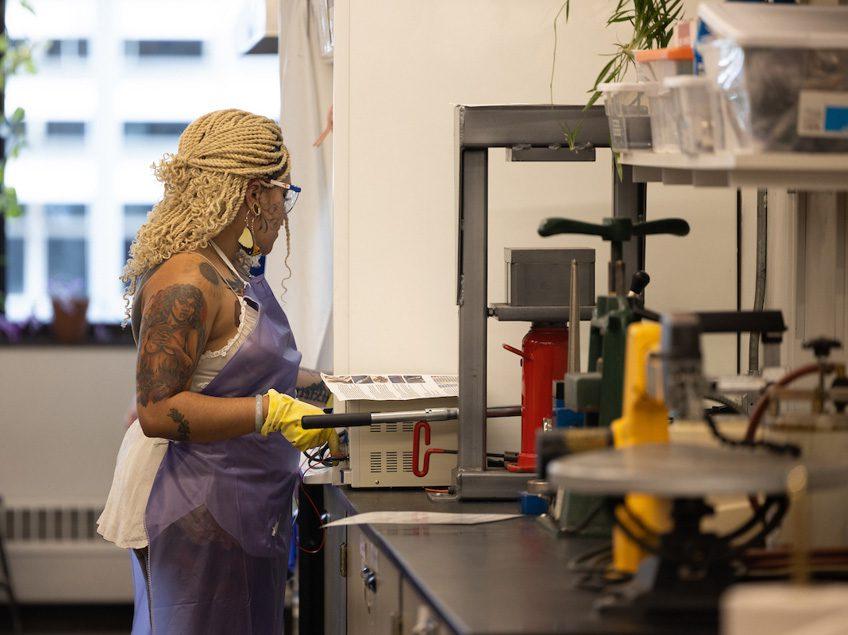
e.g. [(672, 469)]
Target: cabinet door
[(335, 569), (373, 588), (418, 617)]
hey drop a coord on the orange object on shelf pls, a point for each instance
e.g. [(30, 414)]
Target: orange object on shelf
[(675, 54)]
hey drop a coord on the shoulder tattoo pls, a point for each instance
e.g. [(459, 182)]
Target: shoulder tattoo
[(173, 334), (208, 272)]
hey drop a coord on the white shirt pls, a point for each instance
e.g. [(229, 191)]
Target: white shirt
[(122, 520)]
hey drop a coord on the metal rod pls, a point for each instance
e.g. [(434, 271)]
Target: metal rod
[(739, 276), (760, 290), (354, 420), (620, 285), (629, 201), (574, 322)]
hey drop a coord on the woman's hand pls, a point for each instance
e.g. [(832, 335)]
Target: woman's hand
[(284, 416)]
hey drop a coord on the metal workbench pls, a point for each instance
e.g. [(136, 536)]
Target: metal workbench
[(505, 577)]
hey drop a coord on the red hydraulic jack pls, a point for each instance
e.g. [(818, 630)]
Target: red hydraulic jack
[(544, 360)]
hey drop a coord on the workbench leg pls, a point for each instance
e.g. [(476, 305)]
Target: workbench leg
[(473, 263)]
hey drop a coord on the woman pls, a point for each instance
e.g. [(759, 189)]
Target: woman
[(205, 476)]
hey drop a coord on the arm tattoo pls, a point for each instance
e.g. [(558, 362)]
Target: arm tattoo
[(183, 431), (173, 334), (208, 272), (316, 393)]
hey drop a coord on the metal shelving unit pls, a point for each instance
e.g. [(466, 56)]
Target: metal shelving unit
[(530, 133), (795, 170)]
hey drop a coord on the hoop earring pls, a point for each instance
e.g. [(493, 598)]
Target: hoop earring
[(247, 240)]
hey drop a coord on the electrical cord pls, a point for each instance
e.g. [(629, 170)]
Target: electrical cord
[(763, 402), (319, 457), (777, 503), (318, 516), (585, 522), (778, 448)]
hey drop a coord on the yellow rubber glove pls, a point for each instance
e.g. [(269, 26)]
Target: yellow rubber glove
[(284, 415)]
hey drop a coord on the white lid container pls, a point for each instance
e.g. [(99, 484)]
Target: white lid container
[(627, 106), (627, 87), (754, 24), (677, 81)]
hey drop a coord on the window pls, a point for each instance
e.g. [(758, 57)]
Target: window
[(134, 217), (15, 232), (109, 98), (153, 129), (163, 48), (66, 249), (14, 265), (67, 49), (46, 255), (65, 130)]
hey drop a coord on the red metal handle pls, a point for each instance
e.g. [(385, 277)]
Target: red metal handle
[(518, 352), (416, 447)]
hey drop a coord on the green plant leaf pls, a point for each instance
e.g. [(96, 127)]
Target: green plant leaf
[(9, 202)]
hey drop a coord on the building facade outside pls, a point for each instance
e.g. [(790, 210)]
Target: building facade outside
[(117, 82)]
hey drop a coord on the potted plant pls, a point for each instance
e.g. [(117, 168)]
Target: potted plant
[(70, 308)]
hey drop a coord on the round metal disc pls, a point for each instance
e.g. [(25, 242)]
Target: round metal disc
[(678, 470)]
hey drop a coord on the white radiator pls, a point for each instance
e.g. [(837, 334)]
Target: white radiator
[(56, 556)]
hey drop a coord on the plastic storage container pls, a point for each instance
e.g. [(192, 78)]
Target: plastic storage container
[(656, 64), (629, 115), (695, 108), (664, 134), (782, 71)]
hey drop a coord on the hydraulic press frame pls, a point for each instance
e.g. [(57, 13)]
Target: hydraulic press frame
[(530, 133)]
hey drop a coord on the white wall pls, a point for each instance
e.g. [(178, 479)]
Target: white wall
[(399, 67), (61, 415)]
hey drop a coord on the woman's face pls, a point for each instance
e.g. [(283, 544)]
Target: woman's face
[(266, 227)]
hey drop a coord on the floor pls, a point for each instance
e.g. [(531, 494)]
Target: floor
[(111, 619)]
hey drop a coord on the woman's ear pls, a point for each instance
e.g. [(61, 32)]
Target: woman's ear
[(254, 190)]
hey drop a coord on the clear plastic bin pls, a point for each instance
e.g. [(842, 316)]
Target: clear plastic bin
[(699, 124), (782, 72), (664, 134), (629, 115)]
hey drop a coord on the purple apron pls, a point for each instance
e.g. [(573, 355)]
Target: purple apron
[(219, 514)]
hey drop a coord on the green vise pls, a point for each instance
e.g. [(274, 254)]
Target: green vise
[(598, 393)]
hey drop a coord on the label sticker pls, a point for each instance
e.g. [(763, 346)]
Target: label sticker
[(823, 114)]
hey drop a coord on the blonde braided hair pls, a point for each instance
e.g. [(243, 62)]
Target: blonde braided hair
[(204, 186)]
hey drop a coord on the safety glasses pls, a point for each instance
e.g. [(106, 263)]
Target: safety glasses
[(292, 192)]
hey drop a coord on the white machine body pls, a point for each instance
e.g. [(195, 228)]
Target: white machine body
[(381, 454)]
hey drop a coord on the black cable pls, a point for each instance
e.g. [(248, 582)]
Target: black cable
[(782, 504), (577, 563), (612, 506), (777, 448), (725, 401), (585, 522), (759, 516)]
